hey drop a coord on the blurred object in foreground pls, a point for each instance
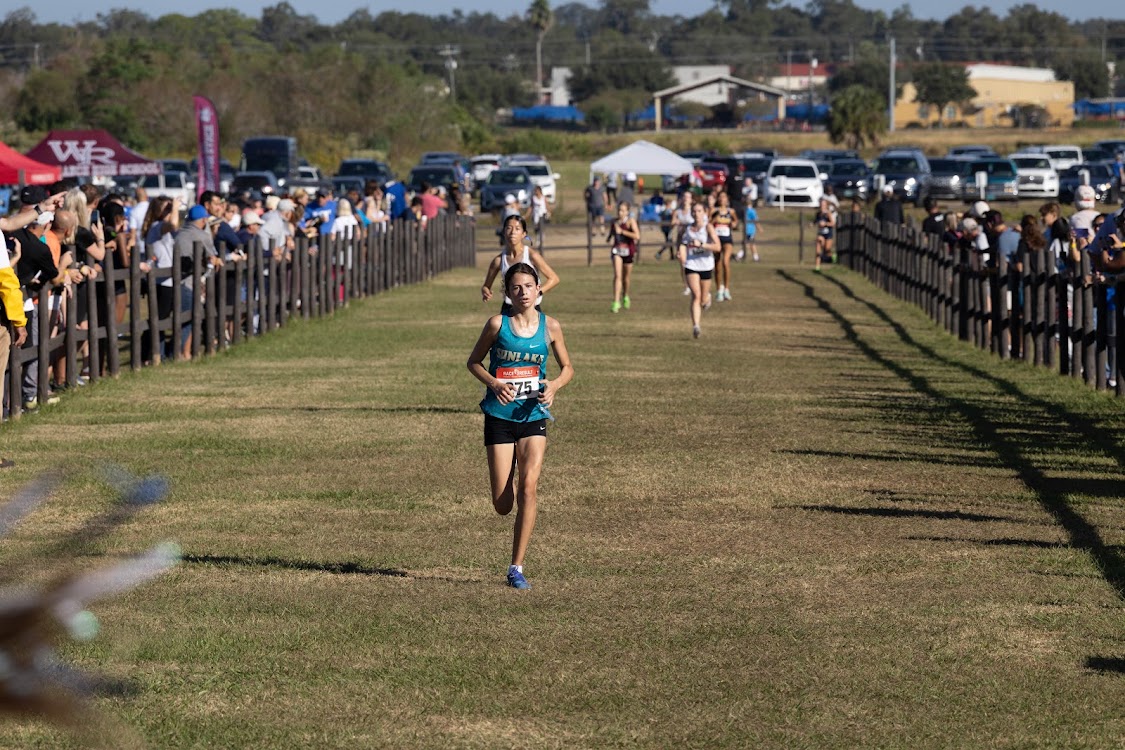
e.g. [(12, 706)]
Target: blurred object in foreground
[(36, 618)]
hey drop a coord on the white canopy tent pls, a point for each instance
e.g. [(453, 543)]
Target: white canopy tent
[(642, 157)]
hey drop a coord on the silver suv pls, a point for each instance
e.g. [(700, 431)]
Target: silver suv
[(540, 170), (906, 171)]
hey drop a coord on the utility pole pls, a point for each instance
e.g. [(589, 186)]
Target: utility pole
[(789, 71), (891, 92), (450, 52), (812, 72)]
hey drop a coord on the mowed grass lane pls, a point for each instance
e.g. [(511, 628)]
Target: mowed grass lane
[(824, 524)]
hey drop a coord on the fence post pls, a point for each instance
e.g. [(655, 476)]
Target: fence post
[(112, 354), (210, 284), (43, 351), (1101, 332), (1119, 335), (1002, 310), (197, 331), (1088, 334), (71, 327), (801, 238), (136, 320)]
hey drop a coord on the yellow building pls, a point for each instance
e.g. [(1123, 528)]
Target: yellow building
[(999, 88)]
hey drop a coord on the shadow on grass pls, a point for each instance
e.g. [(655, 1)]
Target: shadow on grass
[(1110, 664), (945, 515), (1008, 542), (924, 458), (375, 409), (991, 427), (344, 568)]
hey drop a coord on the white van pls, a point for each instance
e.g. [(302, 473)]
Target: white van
[(793, 182), (1061, 157)]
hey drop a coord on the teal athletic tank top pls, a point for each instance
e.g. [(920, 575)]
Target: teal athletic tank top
[(523, 363)]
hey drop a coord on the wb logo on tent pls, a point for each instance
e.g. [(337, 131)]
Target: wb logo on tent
[(82, 152)]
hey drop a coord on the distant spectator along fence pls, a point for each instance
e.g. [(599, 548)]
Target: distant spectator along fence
[(1047, 316), (314, 283)]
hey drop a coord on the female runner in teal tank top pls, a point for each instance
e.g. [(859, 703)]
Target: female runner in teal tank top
[(517, 403)]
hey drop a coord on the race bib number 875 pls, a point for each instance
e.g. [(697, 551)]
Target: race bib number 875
[(524, 379)]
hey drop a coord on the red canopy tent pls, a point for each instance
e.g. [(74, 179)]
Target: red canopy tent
[(17, 169), (91, 153)]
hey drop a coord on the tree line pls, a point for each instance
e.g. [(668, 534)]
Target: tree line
[(377, 82)]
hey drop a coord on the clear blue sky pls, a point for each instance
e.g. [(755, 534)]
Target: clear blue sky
[(67, 11)]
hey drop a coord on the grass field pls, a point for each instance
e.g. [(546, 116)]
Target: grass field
[(825, 524)]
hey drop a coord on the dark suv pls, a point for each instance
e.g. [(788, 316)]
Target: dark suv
[(445, 175), (906, 171), (366, 169)]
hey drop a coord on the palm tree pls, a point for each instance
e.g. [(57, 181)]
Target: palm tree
[(541, 18)]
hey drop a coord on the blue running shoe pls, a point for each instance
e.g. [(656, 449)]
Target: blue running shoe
[(517, 581)]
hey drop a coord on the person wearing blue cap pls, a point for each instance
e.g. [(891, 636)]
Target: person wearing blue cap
[(194, 231)]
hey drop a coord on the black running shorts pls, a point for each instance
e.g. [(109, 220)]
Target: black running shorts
[(500, 431)]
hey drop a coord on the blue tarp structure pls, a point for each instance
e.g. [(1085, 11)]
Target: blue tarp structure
[(1100, 108), (751, 117), (648, 114), (547, 113), (801, 111)]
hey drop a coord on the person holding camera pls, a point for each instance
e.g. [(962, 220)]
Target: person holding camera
[(698, 246)]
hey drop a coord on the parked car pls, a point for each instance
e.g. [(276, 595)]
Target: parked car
[(972, 152), (713, 174), (171, 185), (176, 165), (1037, 178), (514, 180), (1114, 146), (1002, 183), (950, 178), (849, 178), (695, 157), (181, 166), (1097, 154), (441, 157), (829, 154), (261, 182), (447, 175), (1101, 179), (341, 185), (540, 172), (226, 174), (793, 181), (310, 179), (482, 166), (754, 165), (1061, 157), (366, 169), (125, 184), (906, 171)]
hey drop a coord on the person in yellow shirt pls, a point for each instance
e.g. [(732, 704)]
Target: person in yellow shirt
[(12, 315)]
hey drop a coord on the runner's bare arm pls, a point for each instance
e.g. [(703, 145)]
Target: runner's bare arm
[(489, 279), (712, 240), (548, 279), (504, 391), (562, 357)]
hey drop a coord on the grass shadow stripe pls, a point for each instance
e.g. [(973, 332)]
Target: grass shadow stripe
[(1004, 542), (988, 431), (876, 512), (342, 568)]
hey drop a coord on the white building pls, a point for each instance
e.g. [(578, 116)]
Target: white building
[(556, 90)]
